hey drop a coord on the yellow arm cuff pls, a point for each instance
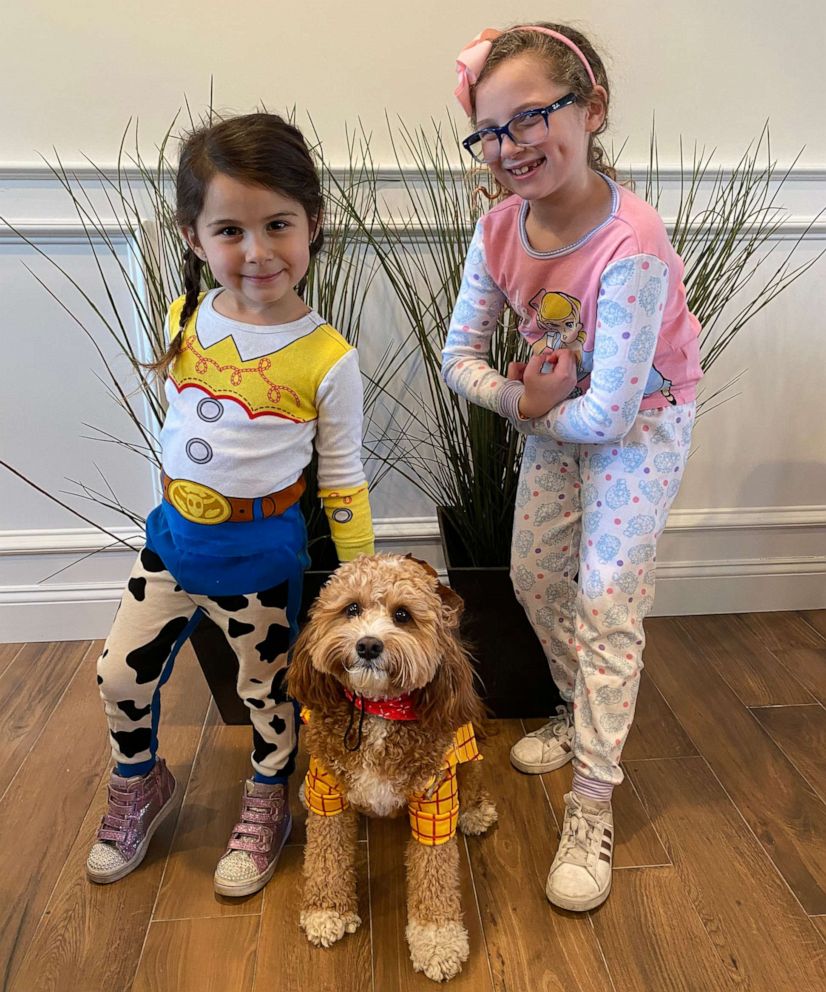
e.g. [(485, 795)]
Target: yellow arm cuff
[(351, 524)]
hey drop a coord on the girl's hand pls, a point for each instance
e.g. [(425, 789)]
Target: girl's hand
[(543, 390), (516, 370)]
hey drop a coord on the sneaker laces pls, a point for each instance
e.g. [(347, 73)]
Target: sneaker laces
[(575, 843), (558, 726)]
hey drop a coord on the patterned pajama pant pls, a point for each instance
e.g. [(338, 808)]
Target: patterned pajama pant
[(154, 619), (583, 566)]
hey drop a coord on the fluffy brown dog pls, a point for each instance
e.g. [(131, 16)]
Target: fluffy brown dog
[(385, 631)]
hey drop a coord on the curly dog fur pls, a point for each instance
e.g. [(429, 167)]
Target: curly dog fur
[(409, 622)]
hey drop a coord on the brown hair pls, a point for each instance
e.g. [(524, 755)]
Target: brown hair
[(257, 149), (564, 66)]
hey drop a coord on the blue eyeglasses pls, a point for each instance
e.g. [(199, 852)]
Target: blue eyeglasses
[(527, 128)]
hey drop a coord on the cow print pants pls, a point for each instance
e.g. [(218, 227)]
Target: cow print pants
[(154, 619)]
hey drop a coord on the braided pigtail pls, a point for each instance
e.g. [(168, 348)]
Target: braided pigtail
[(193, 268)]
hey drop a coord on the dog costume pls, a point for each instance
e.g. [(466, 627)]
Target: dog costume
[(433, 812)]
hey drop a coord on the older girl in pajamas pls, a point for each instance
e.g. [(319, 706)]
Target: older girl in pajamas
[(608, 430)]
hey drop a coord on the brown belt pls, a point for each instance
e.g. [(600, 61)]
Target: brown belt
[(203, 505)]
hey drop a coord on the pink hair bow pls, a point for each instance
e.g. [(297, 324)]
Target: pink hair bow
[(469, 63)]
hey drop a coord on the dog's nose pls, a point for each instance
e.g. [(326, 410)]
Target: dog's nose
[(369, 648)]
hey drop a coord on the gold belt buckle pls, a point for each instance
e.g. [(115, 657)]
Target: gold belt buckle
[(198, 503)]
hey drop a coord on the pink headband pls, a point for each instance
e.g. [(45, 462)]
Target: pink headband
[(472, 58)]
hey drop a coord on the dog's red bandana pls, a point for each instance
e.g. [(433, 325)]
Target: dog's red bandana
[(395, 708)]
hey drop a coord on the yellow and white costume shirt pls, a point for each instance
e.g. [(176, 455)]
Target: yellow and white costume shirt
[(433, 812), (246, 405)]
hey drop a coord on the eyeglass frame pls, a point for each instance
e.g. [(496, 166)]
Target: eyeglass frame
[(504, 129)]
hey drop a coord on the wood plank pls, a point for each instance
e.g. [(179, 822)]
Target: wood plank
[(531, 945), (676, 953), (772, 796), (761, 936), (783, 630), (739, 651), (44, 808), (211, 955), (392, 966), (820, 925), (8, 652), (209, 812), (344, 967), (817, 620), (82, 941), (800, 733), (636, 842), (30, 688), (655, 732), (808, 666)]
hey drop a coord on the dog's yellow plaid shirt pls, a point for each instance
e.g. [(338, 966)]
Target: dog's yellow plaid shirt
[(433, 813)]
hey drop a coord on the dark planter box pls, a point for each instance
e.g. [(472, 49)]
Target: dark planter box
[(218, 662), (509, 659)]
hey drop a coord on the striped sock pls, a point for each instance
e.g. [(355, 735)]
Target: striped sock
[(589, 788)]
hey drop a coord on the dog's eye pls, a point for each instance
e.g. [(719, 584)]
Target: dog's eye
[(400, 615), (353, 610)]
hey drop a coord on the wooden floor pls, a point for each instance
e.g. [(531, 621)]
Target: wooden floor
[(720, 871)]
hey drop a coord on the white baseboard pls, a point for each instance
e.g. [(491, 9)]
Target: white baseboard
[(760, 573)]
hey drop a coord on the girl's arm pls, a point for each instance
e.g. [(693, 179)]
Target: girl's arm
[(341, 482), (465, 365), (632, 296)]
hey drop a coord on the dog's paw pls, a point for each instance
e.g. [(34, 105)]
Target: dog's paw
[(439, 950), (477, 818), (325, 926)]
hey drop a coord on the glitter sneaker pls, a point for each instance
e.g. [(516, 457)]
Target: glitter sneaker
[(580, 877), (137, 807), (548, 748), (256, 840)]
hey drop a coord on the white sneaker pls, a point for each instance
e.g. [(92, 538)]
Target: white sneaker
[(580, 877), (550, 747)]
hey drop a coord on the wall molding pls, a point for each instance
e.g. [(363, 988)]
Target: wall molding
[(88, 540), (746, 517), (39, 172), (63, 231), (62, 610)]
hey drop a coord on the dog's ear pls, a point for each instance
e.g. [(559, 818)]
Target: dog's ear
[(305, 683), (449, 700), (424, 564), (453, 605), (449, 597)]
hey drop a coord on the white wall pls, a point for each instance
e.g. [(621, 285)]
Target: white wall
[(749, 529), (73, 73)]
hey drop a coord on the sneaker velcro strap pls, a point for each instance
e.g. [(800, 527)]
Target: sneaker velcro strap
[(251, 837), (256, 816), (249, 844), (118, 836), (257, 829)]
